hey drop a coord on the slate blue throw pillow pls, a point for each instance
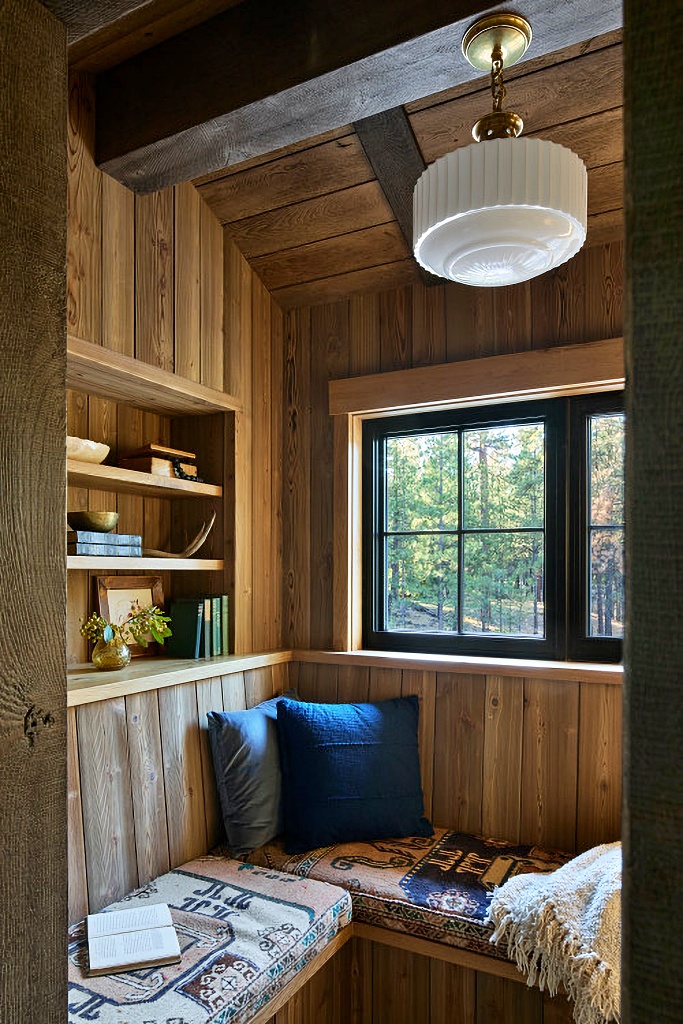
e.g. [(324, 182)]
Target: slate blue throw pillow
[(350, 772), (246, 761)]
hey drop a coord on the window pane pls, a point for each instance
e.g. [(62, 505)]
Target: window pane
[(504, 476), (504, 584), (422, 482), (422, 583), (607, 583), (606, 461)]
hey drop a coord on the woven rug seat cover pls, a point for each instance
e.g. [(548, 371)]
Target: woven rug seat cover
[(244, 933), (435, 888)]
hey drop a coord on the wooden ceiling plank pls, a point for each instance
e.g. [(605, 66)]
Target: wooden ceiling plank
[(292, 179), (277, 154), (369, 247), (324, 217), (544, 100), (339, 287), (196, 102)]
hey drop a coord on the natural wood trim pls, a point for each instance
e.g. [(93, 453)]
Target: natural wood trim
[(123, 562), (132, 481), (129, 381), (542, 373), (438, 951), (561, 671), (86, 685)]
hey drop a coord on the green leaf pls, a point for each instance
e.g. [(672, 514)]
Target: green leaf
[(107, 633)]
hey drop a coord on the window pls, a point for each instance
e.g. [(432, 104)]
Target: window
[(471, 518)]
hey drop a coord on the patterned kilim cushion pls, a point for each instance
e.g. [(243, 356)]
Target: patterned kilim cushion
[(436, 888), (244, 933)]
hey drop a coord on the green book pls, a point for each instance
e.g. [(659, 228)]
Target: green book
[(187, 616), (216, 645), (225, 645), (206, 650)]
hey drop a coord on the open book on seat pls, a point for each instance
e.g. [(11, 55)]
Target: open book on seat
[(131, 939)]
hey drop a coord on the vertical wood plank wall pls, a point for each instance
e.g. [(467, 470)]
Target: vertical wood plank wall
[(412, 326), (145, 277)]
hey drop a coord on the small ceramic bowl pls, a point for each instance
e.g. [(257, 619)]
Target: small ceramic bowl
[(102, 522), (86, 451)]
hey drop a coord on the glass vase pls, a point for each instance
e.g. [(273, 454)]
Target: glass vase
[(110, 654)]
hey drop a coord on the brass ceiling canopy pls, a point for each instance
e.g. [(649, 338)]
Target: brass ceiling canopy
[(509, 33), (494, 42)]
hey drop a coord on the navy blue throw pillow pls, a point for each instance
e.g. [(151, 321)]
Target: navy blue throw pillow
[(244, 746), (350, 772)]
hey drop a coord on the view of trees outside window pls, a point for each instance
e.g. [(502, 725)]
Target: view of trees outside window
[(495, 525), (606, 524)]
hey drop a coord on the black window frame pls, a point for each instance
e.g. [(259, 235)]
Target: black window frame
[(565, 562)]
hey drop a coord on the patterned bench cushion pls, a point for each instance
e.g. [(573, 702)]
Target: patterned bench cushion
[(244, 933), (436, 888)]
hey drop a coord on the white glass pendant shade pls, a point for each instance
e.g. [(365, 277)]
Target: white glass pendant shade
[(500, 212)]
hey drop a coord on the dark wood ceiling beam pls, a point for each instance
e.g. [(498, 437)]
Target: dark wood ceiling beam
[(395, 157), (264, 74)]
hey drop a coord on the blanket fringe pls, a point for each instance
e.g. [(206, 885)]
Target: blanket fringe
[(551, 955)]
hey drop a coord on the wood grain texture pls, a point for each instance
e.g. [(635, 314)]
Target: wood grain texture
[(458, 752), (108, 822), (550, 764), (186, 287), (506, 1002), (84, 214), (211, 336), (312, 171), (118, 268), (309, 60), (600, 752), (148, 790), (353, 208), (154, 284), (503, 723), (400, 986), (187, 837), (651, 949), (209, 698), (78, 891), (423, 685), (570, 369), (329, 359), (33, 719)]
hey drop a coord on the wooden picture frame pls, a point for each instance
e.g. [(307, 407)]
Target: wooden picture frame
[(119, 596)]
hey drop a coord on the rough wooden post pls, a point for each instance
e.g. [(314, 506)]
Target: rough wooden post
[(32, 503), (653, 822)]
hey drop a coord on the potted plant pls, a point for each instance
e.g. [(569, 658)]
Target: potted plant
[(111, 640)]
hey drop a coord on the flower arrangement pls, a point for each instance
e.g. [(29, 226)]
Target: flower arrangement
[(139, 628)]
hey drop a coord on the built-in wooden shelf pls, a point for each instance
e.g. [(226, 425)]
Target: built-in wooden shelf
[(123, 563), (131, 481), (86, 684), (129, 381)]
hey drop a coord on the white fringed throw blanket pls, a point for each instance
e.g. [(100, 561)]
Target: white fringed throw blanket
[(564, 928)]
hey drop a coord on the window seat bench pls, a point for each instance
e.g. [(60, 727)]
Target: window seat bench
[(248, 937), (252, 933)]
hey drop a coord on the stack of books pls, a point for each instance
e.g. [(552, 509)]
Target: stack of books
[(200, 627), (92, 542)]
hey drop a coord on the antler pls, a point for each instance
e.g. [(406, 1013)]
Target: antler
[(191, 548)]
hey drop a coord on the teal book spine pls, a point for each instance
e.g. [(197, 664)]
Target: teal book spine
[(207, 627), (216, 646), (225, 644)]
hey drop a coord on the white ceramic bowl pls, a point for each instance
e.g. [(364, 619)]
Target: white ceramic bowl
[(86, 451)]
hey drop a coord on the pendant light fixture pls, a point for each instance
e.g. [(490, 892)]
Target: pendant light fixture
[(505, 209)]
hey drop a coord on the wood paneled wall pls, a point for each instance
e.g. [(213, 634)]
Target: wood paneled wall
[(413, 326), (142, 795), (146, 276)]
